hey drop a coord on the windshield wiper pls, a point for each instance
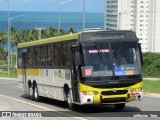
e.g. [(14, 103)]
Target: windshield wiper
[(120, 47), (99, 53)]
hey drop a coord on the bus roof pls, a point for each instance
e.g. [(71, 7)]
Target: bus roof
[(50, 40), (88, 35)]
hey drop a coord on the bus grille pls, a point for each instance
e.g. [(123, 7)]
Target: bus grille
[(113, 100), (118, 92)]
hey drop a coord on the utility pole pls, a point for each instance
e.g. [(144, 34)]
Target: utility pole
[(83, 14), (8, 38), (59, 15), (10, 31)]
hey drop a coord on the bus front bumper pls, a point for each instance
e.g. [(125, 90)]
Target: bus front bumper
[(111, 99)]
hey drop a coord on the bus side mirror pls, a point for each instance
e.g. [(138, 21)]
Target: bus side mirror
[(140, 50)]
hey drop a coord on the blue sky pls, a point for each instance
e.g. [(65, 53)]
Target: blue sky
[(96, 6)]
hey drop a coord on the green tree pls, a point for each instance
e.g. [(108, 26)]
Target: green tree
[(151, 67), (3, 38), (3, 56)]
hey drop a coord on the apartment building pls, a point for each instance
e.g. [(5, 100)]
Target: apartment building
[(141, 16)]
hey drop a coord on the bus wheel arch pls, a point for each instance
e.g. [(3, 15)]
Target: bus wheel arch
[(29, 86), (68, 97), (66, 91), (34, 83), (30, 90)]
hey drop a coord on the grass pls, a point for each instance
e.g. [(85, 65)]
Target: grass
[(13, 74), (151, 86)]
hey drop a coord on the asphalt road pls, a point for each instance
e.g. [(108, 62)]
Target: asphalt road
[(12, 99)]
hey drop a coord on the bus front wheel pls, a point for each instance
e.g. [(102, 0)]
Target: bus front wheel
[(70, 105), (120, 106)]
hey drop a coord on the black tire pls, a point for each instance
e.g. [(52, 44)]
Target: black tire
[(36, 94), (70, 104), (31, 93), (120, 106)]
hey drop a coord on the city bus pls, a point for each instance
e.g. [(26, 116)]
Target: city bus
[(88, 67)]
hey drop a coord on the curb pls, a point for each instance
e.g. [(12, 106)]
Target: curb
[(4, 78), (151, 79), (155, 95)]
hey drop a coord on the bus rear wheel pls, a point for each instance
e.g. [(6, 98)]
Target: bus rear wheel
[(31, 93), (36, 94), (120, 106), (70, 105)]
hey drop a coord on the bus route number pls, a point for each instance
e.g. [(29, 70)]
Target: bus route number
[(88, 72)]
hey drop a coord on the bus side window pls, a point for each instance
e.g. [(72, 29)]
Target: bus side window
[(30, 57), (65, 55), (56, 55), (50, 56), (19, 58), (43, 56), (37, 56)]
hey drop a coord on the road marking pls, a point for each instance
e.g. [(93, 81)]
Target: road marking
[(45, 108), (80, 118), (27, 103)]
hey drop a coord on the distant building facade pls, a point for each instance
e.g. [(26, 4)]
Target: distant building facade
[(141, 16)]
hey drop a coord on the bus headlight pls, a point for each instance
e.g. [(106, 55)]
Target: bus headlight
[(84, 92), (90, 93), (131, 90), (137, 90)]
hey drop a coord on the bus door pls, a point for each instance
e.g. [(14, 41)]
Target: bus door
[(75, 83), (24, 63)]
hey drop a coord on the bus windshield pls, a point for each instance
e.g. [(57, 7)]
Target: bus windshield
[(110, 60)]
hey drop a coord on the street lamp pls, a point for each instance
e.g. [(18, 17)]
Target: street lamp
[(59, 10), (8, 35), (10, 31), (83, 14), (10, 21), (8, 38)]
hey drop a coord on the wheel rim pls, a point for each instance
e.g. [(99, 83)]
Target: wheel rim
[(30, 91), (69, 100), (35, 93)]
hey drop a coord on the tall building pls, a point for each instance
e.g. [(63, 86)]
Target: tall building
[(141, 16)]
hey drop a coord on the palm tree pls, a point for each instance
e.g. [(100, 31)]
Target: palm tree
[(3, 38), (71, 30), (3, 56), (51, 32)]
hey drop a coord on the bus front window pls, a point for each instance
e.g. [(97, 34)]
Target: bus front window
[(110, 61), (126, 59), (97, 59)]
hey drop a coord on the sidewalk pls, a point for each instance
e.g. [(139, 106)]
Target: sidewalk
[(4, 78), (154, 79), (155, 95)]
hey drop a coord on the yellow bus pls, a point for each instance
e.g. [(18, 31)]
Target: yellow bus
[(89, 67)]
